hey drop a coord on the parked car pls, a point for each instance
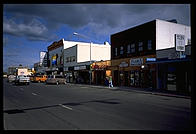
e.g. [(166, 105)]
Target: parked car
[(40, 78), (22, 79), (11, 78), (56, 79), (31, 78)]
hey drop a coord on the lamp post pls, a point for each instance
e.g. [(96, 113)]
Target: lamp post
[(90, 76)]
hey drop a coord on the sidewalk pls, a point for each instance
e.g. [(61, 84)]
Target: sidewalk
[(140, 90)]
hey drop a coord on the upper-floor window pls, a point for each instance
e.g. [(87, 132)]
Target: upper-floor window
[(189, 41), (128, 48), (132, 48), (73, 58), (116, 51), (140, 46), (68, 59), (149, 44), (121, 50)]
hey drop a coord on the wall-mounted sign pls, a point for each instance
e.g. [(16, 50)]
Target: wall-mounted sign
[(123, 64), (180, 42), (150, 59), (99, 67), (54, 60), (80, 68), (136, 62)]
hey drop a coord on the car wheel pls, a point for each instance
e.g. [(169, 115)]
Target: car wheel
[(39, 81)]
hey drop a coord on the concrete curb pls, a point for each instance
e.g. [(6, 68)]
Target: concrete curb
[(135, 90)]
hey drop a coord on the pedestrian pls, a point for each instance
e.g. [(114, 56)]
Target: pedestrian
[(106, 81), (110, 82)]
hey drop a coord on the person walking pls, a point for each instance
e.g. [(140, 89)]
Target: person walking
[(110, 82)]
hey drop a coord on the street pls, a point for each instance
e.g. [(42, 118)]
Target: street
[(74, 107)]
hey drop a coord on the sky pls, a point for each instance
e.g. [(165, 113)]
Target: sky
[(31, 28)]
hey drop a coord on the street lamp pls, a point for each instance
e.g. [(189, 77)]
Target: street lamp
[(90, 52)]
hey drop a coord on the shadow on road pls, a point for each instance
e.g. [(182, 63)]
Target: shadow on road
[(106, 101)]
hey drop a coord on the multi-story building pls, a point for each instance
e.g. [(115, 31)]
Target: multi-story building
[(135, 54), (74, 58)]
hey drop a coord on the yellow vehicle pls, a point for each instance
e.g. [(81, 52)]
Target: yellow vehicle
[(39, 78)]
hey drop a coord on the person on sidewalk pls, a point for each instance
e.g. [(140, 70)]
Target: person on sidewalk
[(110, 82)]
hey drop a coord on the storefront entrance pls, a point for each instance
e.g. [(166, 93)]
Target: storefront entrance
[(141, 78)]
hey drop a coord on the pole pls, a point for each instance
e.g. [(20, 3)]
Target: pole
[(90, 64)]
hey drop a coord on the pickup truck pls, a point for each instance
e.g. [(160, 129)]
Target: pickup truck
[(22, 79)]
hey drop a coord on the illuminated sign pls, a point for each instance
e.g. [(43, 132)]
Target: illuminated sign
[(150, 59)]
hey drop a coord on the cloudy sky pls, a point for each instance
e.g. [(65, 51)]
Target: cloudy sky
[(30, 28)]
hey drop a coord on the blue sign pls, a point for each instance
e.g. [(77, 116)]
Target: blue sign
[(150, 59)]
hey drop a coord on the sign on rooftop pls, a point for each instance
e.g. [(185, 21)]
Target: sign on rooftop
[(180, 42)]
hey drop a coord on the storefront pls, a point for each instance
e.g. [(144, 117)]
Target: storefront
[(174, 74), (134, 72), (100, 70), (77, 74)]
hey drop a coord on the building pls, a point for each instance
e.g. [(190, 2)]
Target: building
[(44, 58), (135, 54), (19, 70), (73, 59), (101, 70)]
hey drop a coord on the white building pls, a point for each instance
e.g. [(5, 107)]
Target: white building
[(69, 56), (84, 53)]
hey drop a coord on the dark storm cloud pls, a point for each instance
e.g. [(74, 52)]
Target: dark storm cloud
[(102, 18)]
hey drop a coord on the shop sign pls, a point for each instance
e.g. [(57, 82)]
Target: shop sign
[(82, 67), (99, 67), (123, 64), (76, 68), (136, 62), (150, 59), (180, 42)]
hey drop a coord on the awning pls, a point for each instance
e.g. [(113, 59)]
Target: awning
[(168, 61)]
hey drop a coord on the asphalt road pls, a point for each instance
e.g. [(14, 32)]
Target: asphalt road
[(72, 107)]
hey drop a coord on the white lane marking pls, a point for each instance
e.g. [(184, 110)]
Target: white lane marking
[(34, 94), (65, 106)]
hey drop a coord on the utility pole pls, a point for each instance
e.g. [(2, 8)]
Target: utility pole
[(90, 71)]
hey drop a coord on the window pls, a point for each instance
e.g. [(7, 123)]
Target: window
[(140, 46), (132, 48), (149, 44), (128, 48), (68, 59), (121, 50), (116, 51), (189, 42), (73, 58)]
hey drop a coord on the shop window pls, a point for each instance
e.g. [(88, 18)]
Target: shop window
[(128, 48), (149, 44), (121, 50), (132, 48), (140, 45), (116, 51)]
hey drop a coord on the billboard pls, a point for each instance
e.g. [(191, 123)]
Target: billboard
[(42, 55), (180, 42), (54, 62)]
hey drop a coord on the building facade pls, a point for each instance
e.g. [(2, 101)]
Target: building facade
[(73, 59), (136, 53)]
